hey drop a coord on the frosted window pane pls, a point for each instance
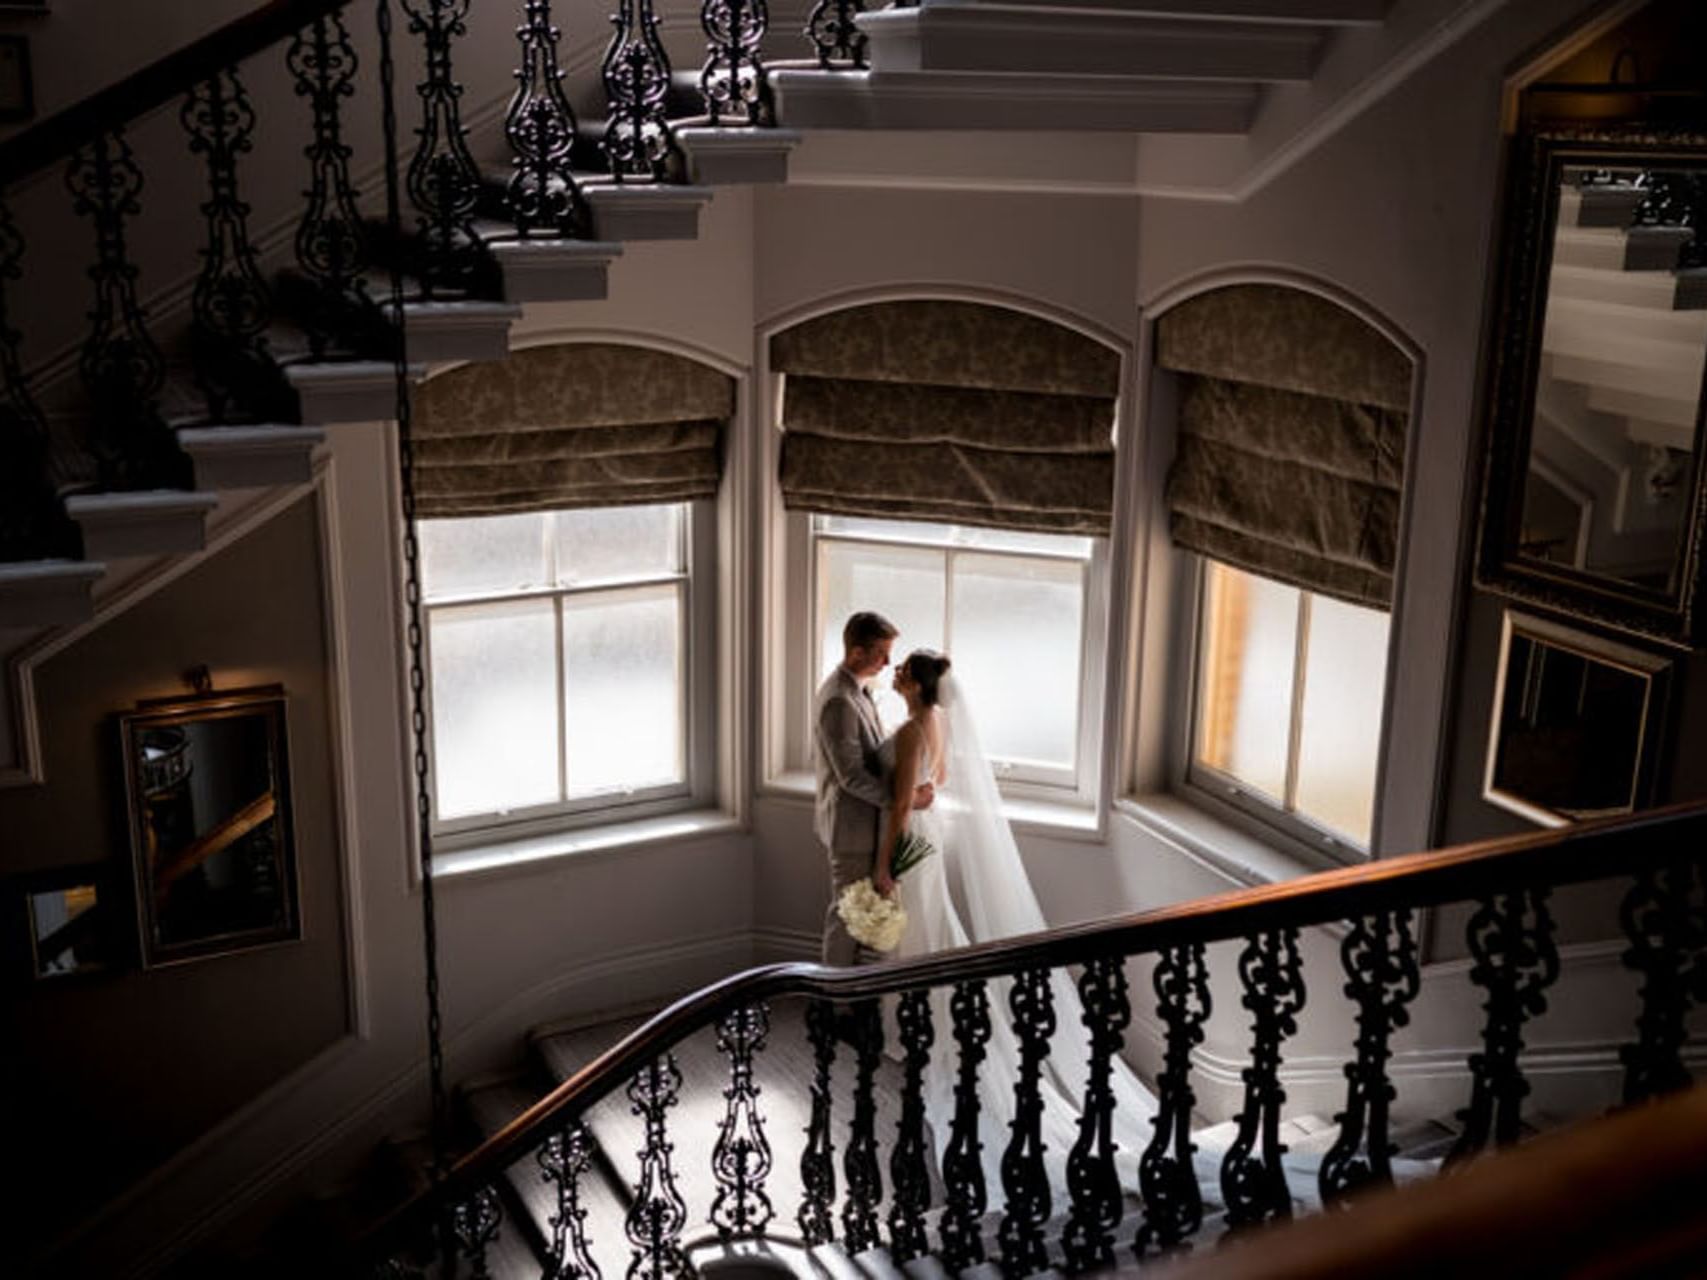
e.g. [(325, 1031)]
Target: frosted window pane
[(904, 584), (1016, 633), (923, 531), (1248, 645), (494, 675), (1345, 671), (484, 554), (622, 693), (599, 544)]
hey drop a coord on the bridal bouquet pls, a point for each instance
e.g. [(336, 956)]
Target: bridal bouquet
[(871, 918)]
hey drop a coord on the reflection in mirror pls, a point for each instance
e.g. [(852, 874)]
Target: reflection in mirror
[(1575, 723), (211, 826), (66, 933), (1609, 486)]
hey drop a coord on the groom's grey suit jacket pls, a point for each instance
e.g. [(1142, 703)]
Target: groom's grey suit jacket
[(846, 738)]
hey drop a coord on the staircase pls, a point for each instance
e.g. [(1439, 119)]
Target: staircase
[(750, 1127), (180, 403)]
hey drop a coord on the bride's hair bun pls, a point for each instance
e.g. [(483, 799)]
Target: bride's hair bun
[(926, 668)]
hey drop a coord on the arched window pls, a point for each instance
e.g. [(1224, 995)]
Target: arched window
[(1285, 485), (566, 499)]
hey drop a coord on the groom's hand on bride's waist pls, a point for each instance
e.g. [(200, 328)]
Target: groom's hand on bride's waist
[(923, 794)]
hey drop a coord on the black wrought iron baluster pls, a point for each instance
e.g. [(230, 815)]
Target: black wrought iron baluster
[(1173, 1205), (818, 1160), (33, 523), (331, 243), (476, 1222), (540, 126), (1668, 947), (1253, 1184), (444, 182), (121, 368), (1025, 1181), (562, 1160), (859, 1162), (835, 36), (1514, 961), (1092, 1181), (639, 140), (909, 1167), (230, 307), (657, 1214), (734, 81), (962, 1168), (741, 1159), (1383, 976)]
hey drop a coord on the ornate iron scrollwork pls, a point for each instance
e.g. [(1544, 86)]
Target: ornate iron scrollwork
[(565, 1156), (331, 244), (1092, 1181), (1382, 975), (1668, 947), (741, 1159), (121, 368), (540, 126), (444, 182), (909, 1168), (734, 80), (859, 1162), (1173, 1205), (818, 1160), (1252, 1182), (1025, 1181), (658, 1213), (1514, 961), (639, 140), (475, 1222), (962, 1167), (230, 307), (33, 523), (834, 35)]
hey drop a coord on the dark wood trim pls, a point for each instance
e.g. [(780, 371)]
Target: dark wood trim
[(63, 132), (1586, 851)]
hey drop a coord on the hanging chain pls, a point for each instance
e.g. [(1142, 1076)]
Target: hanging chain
[(412, 599)]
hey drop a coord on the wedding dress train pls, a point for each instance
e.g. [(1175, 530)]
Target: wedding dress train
[(976, 890)]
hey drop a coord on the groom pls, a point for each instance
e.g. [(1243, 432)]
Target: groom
[(846, 735)]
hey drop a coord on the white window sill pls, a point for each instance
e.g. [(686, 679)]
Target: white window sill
[(1027, 817), (612, 837), (1224, 849)]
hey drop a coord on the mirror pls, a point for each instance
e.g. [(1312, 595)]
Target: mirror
[(208, 787), (1593, 499), (68, 930), (1575, 724)]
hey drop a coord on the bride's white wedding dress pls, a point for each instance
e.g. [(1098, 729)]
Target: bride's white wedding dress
[(976, 890)]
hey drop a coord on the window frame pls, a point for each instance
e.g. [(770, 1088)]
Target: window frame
[(1078, 785), (697, 584), (1228, 797)]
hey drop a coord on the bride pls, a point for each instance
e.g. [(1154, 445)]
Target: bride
[(975, 889)]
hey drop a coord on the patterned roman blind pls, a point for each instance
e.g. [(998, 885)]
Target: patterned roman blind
[(575, 425), (948, 411), (1291, 452)]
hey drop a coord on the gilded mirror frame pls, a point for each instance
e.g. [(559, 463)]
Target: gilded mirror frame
[(1672, 615), (260, 828)]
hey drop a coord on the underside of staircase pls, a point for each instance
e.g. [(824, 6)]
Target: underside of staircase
[(143, 476)]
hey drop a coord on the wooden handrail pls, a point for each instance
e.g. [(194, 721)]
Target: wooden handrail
[(1586, 851), (160, 81)]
